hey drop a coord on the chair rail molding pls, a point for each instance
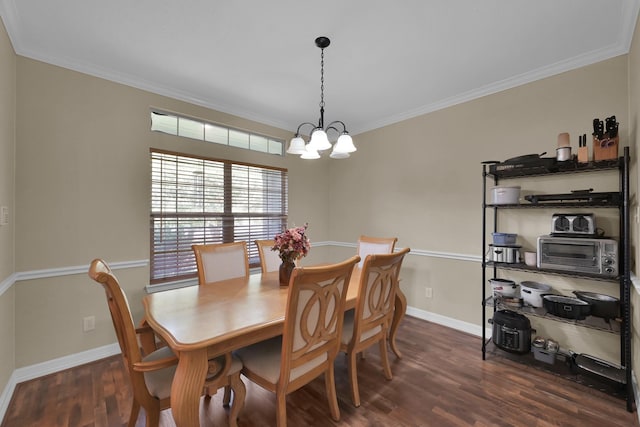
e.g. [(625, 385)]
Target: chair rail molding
[(63, 271), (7, 283)]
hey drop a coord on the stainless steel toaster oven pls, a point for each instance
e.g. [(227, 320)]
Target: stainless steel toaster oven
[(578, 254)]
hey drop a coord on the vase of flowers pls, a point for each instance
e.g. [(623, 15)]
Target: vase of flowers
[(291, 244)]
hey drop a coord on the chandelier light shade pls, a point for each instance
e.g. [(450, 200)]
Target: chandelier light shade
[(319, 140)]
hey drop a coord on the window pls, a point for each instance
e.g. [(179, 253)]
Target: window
[(217, 134), (200, 201)]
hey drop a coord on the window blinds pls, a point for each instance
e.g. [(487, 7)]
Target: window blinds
[(201, 201)]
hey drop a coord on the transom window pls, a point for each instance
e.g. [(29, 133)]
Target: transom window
[(214, 133), (197, 200)]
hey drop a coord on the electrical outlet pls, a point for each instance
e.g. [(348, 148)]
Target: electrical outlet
[(89, 323), (428, 292)]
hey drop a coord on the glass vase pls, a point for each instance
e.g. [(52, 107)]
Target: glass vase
[(286, 268)]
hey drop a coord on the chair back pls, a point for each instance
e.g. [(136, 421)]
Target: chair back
[(118, 304), (221, 261), (376, 296), (313, 321), (269, 260), (368, 245), (122, 323)]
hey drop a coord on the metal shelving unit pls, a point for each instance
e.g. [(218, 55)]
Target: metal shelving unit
[(623, 325)]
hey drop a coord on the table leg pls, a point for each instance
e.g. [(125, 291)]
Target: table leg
[(398, 313), (186, 388)]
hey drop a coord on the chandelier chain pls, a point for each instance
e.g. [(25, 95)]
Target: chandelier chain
[(321, 78)]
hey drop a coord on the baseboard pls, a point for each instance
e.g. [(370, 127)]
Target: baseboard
[(5, 397), (66, 362), (459, 325), (50, 367)]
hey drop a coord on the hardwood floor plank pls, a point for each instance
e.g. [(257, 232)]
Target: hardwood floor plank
[(441, 381)]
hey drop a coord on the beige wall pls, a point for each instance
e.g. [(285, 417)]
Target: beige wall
[(7, 149), (421, 180)]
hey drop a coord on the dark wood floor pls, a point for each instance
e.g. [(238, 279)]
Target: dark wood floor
[(441, 381)]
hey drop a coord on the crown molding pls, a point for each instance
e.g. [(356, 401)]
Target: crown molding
[(629, 12)]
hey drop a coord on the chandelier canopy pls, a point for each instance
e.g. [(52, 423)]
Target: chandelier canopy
[(319, 140)]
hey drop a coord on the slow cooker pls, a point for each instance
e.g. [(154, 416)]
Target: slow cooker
[(504, 253)]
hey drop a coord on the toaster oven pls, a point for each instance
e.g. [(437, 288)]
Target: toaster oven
[(578, 254)]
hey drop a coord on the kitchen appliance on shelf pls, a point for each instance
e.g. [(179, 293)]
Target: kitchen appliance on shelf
[(594, 366), (585, 197), (511, 331), (579, 255), (573, 225), (566, 307), (525, 164), (509, 254)]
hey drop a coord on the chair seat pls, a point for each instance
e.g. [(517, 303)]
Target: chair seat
[(263, 359), (159, 382), (347, 329)]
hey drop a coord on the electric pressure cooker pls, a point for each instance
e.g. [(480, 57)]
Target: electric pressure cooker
[(511, 331)]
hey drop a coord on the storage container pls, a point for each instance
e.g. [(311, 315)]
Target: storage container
[(505, 195), (544, 355), (504, 238)]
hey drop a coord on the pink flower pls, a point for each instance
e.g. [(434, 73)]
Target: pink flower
[(292, 243)]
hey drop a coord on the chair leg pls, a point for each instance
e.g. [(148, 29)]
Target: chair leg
[(330, 386), (207, 393), (385, 358), (281, 409), (153, 417), (135, 411), (227, 396), (239, 393), (353, 378)]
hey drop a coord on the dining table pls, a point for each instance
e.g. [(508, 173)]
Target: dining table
[(204, 321)]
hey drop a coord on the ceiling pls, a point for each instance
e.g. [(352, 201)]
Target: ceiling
[(388, 60)]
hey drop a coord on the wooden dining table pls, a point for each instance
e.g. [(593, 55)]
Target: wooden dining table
[(204, 321)]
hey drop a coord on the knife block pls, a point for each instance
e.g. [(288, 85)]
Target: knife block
[(583, 154), (605, 148)]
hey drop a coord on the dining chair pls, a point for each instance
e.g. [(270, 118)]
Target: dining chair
[(310, 340), (368, 245), (269, 260), (151, 374), (369, 323), (221, 261)]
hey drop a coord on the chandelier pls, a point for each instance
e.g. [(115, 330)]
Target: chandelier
[(319, 140)]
